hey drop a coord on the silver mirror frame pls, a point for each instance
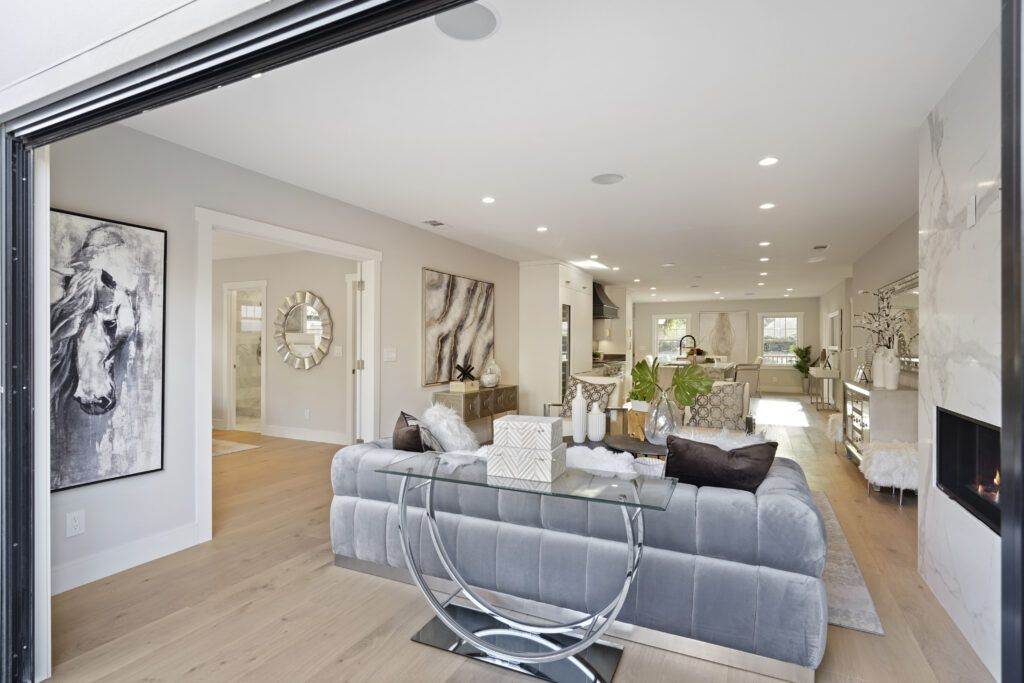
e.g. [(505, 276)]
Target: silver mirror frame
[(906, 283), (304, 297)]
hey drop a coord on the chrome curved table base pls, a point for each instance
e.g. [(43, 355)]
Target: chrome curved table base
[(585, 632)]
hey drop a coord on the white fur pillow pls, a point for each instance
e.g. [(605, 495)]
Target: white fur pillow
[(449, 428)]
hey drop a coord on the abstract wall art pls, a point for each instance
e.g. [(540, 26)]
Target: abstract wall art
[(724, 334), (107, 319), (458, 325)]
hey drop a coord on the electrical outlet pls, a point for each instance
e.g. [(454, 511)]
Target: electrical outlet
[(389, 354), (74, 523), (305, 413)]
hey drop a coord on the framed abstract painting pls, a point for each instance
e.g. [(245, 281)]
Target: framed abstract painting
[(107, 319), (458, 325)]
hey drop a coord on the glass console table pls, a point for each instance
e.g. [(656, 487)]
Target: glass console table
[(568, 651)]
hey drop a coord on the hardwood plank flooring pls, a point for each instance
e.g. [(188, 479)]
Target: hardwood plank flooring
[(263, 601)]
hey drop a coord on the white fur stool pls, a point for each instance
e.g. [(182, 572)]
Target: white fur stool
[(890, 463), (835, 431)]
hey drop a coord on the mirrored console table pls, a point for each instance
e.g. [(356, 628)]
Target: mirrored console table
[(877, 414)]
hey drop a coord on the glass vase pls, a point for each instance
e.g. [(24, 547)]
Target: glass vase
[(661, 419)]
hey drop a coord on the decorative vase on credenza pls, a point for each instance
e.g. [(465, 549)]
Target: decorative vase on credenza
[(885, 368), (892, 369)]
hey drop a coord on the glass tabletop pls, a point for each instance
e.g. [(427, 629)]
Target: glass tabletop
[(651, 493)]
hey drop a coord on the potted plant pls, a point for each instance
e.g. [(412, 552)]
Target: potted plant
[(803, 363), (688, 382)]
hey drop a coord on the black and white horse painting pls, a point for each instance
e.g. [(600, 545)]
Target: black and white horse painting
[(458, 325), (106, 349)]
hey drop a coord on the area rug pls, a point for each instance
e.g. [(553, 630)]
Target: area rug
[(223, 446), (849, 601)]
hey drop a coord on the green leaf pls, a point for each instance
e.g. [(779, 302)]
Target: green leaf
[(645, 381), (689, 382)]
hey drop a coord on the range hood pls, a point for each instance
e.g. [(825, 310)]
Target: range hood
[(604, 308)]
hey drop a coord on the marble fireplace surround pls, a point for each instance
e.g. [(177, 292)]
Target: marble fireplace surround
[(960, 336)]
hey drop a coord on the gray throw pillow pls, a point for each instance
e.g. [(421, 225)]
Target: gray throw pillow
[(722, 408)]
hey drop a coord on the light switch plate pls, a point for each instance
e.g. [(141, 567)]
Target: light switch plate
[(390, 354), (74, 523), (338, 351)]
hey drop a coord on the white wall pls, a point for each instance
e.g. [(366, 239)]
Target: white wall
[(120, 173), (772, 379), (288, 391), (960, 342)]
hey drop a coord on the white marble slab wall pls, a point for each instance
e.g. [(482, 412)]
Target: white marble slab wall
[(958, 556)]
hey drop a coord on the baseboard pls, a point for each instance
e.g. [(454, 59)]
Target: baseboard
[(303, 434), (218, 423), (775, 389), (119, 558)]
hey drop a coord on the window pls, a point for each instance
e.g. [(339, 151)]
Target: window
[(780, 332), (668, 330)]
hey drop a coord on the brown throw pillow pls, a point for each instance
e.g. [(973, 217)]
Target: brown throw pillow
[(704, 464), (411, 435), (592, 393)]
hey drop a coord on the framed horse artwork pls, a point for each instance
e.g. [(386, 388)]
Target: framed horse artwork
[(107, 316)]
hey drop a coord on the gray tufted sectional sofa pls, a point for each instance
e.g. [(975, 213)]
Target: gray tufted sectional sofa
[(736, 569)]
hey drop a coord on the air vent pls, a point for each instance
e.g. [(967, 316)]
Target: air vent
[(820, 247), (434, 224)]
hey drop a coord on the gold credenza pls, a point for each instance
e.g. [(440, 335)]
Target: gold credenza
[(486, 402)]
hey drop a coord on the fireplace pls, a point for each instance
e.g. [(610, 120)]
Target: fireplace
[(967, 455)]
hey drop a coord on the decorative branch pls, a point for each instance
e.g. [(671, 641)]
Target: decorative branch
[(886, 326)]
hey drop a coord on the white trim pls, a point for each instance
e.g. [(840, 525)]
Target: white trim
[(654, 327), (760, 332), (41, 405), (304, 434), (228, 327), (119, 558)]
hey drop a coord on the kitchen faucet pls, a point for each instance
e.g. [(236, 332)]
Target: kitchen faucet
[(686, 336)]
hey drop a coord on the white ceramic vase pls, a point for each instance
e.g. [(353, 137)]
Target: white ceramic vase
[(878, 368), (595, 423), (579, 416), (892, 369)]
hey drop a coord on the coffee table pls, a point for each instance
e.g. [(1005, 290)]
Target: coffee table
[(561, 652)]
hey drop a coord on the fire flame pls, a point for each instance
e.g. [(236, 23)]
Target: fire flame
[(996, 480)]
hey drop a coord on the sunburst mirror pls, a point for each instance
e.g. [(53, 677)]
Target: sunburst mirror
[(303, 330)]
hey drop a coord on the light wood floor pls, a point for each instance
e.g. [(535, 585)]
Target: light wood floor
[(263, 601)]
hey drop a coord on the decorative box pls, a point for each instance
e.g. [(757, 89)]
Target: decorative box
[(464, 387), (526, 463), (528, 431)]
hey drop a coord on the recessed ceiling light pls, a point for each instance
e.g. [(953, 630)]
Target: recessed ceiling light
[(653, 294), (763, 273), (786, 295), (760, 284), (664, 299), (768, 161), (789, 289), (668, 265), (717, 292), (721, 297), (767, 206), (636, 279), (615, 267), (764, 244), (607, 178), (764, 259), (471, 21), (257, 75), (591, 265), (542, 228), (816, 259), (594, 256), (653, 288), (487, 200)]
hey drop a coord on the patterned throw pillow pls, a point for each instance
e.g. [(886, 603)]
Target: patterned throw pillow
[(592, 393), (722, 408)]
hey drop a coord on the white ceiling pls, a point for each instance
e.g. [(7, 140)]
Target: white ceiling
[(231, 245), (681, 97)]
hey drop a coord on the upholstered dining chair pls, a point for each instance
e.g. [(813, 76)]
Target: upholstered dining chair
[(750, 373)]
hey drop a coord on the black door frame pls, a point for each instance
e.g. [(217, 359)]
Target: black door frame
[(284, 37)]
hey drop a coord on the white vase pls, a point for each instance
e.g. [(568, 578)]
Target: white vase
[(595, 423), (878, 368), (579, 416), (892, 369)]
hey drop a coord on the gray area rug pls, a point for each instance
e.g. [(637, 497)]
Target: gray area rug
[(849, 601), (223, 447)]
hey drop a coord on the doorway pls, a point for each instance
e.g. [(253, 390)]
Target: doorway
[(244, 357)]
